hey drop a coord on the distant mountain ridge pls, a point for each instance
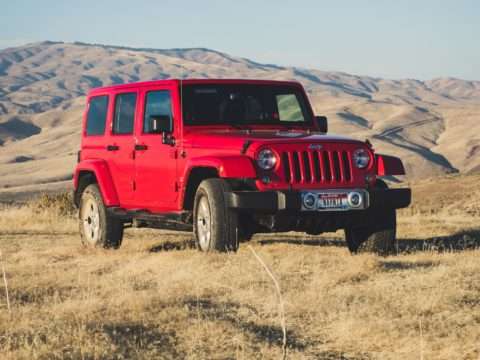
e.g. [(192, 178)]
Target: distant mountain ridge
[(433, 125)]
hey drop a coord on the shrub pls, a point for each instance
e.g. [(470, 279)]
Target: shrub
[(60, 203)]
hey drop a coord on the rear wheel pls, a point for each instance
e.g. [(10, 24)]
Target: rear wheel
[(215, 225), (97, 228), (380, 237)]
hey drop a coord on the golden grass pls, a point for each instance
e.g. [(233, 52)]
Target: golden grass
[(158, 298)]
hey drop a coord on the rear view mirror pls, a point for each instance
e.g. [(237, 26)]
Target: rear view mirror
[(321, 123), (161, 124)]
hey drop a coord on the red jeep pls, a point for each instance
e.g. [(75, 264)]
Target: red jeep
[(228, 159)]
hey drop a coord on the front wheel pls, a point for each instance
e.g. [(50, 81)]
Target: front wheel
[(97, 228), (215, 225), (379, 238)]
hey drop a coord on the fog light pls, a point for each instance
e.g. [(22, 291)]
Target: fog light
[(309, 201), (266, 179), (355, 199)]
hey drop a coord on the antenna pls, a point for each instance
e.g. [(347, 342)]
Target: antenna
[(180, 126)]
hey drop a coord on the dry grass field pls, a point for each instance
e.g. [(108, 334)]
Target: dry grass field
[(157, 298)]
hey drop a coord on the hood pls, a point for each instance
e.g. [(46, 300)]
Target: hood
[(214, 138)]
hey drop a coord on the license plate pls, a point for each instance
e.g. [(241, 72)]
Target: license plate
[(335, 201)]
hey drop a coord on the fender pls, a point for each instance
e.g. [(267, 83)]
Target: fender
[(229, 166), (104, 179), (389, 165)]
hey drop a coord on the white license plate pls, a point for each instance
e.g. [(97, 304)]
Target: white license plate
[(332, 201)]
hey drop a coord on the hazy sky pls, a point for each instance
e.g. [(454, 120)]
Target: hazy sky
[(395, 39)]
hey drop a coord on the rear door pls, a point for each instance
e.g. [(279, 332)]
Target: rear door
[(156, 163), (121, 145)]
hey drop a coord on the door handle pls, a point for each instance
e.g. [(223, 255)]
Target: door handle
[(141, 147), (112, 147)]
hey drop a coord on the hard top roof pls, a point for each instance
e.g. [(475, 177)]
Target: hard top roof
[(189, 81)]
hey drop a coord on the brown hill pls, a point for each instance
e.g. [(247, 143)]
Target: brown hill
[(433, 125)]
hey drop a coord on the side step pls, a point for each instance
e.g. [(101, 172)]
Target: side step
[(168, 221)]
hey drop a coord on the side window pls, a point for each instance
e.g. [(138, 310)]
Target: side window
[(289, 108), (156, 103), (97, 115), (124, 116)]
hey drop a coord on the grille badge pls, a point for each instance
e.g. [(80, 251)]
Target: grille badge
[(315, 147)]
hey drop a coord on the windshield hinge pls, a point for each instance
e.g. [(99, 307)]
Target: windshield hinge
[(245, 146)]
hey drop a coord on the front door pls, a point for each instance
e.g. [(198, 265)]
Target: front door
[(155, 163)]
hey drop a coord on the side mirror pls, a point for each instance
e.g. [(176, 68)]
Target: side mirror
[(161, 124), (321, 123)]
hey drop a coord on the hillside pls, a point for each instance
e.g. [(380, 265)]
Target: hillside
[(433, 125)]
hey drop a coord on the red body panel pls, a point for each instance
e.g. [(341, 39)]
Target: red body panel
[(389, 165), (155, 177), (228, 166), (121, 162), (156, 166), (104, 179)]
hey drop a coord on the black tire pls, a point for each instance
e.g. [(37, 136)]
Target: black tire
[(379, 238), (220, 231), (109, 233)]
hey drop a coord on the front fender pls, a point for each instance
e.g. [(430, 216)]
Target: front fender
[(229, 166), (389, 165), (104, 179)]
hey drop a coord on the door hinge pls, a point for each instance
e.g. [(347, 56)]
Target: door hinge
[(176, 186), (134, 185)]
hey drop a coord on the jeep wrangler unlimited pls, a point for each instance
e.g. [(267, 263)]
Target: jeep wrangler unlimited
[(228, 159)]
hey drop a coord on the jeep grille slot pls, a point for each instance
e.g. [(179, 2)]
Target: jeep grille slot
[(317, 166), (286, 167), (346, 166), (307, 167), (336, 166), (296, 167), (327, 166)]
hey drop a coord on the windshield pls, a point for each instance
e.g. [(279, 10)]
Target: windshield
[(245, 104)]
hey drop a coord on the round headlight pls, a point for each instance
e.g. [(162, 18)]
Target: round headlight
[(361, 158), (266, 159)]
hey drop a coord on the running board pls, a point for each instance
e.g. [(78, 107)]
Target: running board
[(169, 221)]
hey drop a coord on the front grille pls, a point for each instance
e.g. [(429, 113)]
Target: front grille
[(322, 166)]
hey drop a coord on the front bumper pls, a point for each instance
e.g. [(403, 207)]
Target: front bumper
[(274, 201)]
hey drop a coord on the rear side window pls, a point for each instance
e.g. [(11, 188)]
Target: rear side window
[(157, 103), (97, 115), (124, 113)]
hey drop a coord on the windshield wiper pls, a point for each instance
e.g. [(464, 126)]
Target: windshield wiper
[(287, 127)]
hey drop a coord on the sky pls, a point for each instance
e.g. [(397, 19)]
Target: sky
[(395, 39)]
